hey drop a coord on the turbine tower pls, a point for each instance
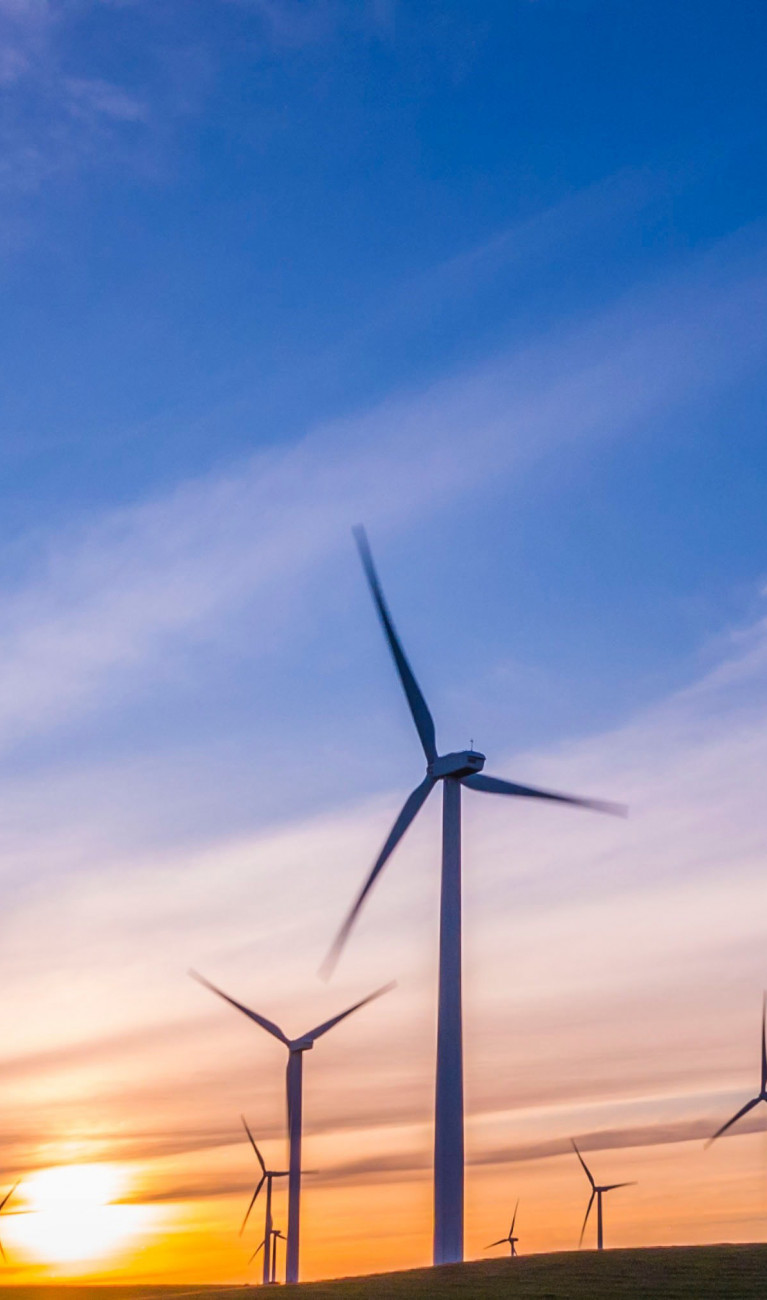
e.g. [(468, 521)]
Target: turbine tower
[(266, 1177), (511, 1239), (599, 1193), (762, 1095), (276, 1236), (3, 1204), (454, 770), (294, 1084)]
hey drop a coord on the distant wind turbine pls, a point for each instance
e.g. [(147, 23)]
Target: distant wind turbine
[(762, 1095), (598, 1192), (511, 1239), (276, 1236), (294, 1083), (266, 1177), (3, 1204), (454, 770)]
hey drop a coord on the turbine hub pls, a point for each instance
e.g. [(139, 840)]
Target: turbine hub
[(465, 763)]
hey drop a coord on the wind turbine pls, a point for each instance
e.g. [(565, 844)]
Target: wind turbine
[(762, 1096), (599, 1193), (266, 1177), (3, 1204), (276, 1236), (511, 1239), (455, 770), (294, 1084)]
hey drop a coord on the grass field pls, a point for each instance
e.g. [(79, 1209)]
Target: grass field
[(689, 1272)]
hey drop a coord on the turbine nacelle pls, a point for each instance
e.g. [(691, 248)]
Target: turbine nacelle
[(301, 1044), (457, 765)]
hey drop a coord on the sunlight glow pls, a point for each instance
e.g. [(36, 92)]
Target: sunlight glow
[(72, 1215)]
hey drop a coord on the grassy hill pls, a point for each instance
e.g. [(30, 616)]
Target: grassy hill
[(692, 1272)]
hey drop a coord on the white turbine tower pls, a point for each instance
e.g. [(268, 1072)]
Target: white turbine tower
[(510, 1239), (294, 1084), (597, 1192), (267, 1176), (454, 770), (762, 1095)]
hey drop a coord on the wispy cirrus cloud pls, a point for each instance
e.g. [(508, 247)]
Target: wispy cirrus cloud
[(109, 598)]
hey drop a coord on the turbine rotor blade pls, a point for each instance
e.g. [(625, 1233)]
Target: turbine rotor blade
[(268, 1025), (502, 1242), (583, 1162), (764, 1042), (513, 1221), (253, 1144), (252, 1203), (743, 1111), (611, 1187), (7, 1197), (588, 1212), (495, 785), (314, 1034), (410, 809), (3, 1254), (255, 1252), (419, 709)]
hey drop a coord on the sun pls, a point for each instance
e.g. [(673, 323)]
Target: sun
[(72, 1214)]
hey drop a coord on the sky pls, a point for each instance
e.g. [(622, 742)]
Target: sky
[(491, 280)]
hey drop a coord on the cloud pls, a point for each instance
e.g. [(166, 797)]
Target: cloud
[(107, 602)]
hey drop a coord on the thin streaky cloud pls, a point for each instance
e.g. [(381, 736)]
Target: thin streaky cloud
[(112, 599)]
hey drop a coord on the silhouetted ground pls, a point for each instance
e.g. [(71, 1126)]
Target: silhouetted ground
[(668, 1273)]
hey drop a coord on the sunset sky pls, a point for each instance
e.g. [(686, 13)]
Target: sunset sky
[(492, 280)]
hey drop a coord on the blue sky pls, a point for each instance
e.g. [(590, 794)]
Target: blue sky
[(492, 283)]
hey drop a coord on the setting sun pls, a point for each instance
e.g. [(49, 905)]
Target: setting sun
[(73, 1215)]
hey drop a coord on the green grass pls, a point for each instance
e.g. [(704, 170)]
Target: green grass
[(669, 1273)]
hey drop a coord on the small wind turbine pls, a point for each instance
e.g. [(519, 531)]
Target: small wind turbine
[(454, 770), (511, 1239), (266, 1177), (294, 1083), (599, 1193), (276, 1236), (762, 1096), (3, 1204)]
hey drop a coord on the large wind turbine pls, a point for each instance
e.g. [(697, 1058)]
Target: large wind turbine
[(511, 1239), (455, 770), (267, 1175), (599, 1193), (762, 1095), (3, 1204), (294, 1083)]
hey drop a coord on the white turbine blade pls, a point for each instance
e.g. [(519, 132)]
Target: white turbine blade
[(253, 1144), (7, 1197), (253, 1200), (511, 1229), (764, 1043), (743, 1111), (494, 785), (588, 1212), (583, 1162), (268, 1025), (411, 807), (418, 707), (314, 1034)]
